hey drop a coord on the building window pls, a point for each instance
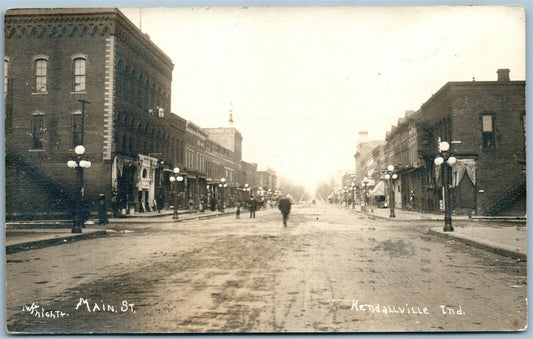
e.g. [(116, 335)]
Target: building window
[(38, 129), (524, 129), (40, 75), (6, 69), (77, 129), (487, 122), (79, 74)]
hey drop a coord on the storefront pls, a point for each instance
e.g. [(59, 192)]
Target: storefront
[(134, 182)]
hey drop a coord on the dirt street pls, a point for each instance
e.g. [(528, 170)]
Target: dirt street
[(329, 270)]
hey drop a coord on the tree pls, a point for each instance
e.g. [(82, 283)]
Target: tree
[(324, 189)]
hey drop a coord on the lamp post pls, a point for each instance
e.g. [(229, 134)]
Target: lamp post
[(445, 157), (222, 185), (365, 185), (345, 196), (79, 162), (175, 178), (391, 175), (353, 194)]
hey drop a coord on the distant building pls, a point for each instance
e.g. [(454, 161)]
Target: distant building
[(267, 179), (367, 162)]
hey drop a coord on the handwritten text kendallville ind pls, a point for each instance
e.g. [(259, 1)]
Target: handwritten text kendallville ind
[(407, 309)]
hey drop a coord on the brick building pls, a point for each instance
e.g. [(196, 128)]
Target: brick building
[(55, 59), (484, 121), (368, 161), (267, 179)]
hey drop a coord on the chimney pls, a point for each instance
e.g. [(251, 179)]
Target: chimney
[(503, 74)]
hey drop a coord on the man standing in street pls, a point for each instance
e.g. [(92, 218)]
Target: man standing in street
[(253, 207), (285, 208), (102, 211)]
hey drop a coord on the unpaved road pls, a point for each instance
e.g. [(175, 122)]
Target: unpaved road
[(329, 271)]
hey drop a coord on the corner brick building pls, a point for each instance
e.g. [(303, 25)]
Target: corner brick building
[(55, 59), (484, 122)]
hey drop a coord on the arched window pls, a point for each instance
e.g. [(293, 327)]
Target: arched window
[(79, 74), (40, 65)]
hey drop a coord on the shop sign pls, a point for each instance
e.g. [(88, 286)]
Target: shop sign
[(145, 183)]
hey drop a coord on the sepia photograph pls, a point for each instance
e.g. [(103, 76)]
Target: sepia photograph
[(265, 169)]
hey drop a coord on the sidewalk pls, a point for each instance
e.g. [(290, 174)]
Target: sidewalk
[(504, 235), (26, 235), (22, 240)]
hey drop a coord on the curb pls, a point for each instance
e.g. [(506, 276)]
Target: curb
[(510, 219), (157, 220), (477, 244), (31, 245), (375, 216)]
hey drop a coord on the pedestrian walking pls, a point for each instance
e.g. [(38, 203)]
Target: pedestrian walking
[(114, 205), (285, 208), (102, 211), (213, 203), (191, 204), (238, 210), (253, 206), (203, 202), (159, 202)]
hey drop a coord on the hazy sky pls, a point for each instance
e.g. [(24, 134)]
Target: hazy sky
[(303, 81)]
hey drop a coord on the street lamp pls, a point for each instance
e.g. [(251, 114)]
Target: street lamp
[(79, 162), (365, 185), (222, 185), (175, 178), (445, 157), (391, 175), (345, 197), (353, 194)]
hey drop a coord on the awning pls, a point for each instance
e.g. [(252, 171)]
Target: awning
[(378, 190), (461, 166)]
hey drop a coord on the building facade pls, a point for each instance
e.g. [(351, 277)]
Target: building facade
[(90, 77), (484, 122), (84, 77)]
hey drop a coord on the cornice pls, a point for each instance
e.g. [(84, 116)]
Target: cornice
[(80, 22), (57, 25), (144, 49)]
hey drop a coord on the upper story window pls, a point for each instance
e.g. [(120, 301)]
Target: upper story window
[(79, 74), (524, 129), (487, 126), (40, 65), (38, 130), (6, 70)]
